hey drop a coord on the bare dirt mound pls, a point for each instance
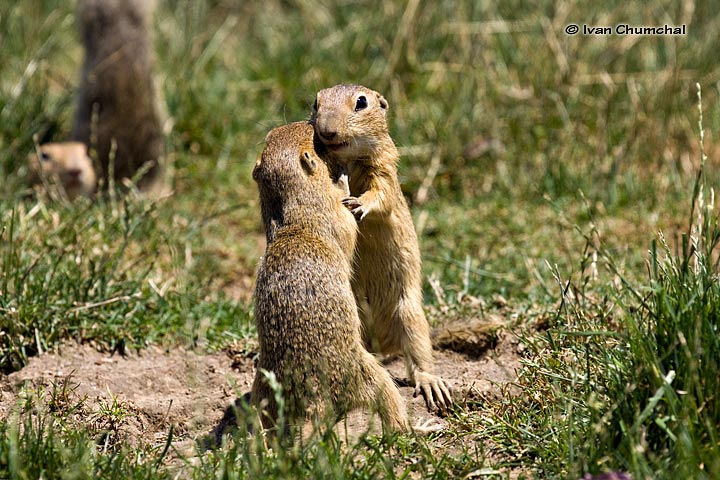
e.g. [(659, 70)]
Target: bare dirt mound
[(153, 388), (192, 392)]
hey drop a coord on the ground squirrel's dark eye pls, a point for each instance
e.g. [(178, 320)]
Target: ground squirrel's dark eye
[(361, 103), (44, 156)]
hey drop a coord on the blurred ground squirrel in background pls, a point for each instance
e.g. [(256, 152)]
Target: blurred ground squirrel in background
[(63, 167), (306, 315), (350, 121), (118, 113)]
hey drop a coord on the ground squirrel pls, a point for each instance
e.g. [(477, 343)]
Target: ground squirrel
[(307, 320), (65, 167), (350, 122), (117, 113)]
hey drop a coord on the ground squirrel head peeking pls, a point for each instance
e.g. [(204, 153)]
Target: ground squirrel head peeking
[(65, 165), (350, 120)]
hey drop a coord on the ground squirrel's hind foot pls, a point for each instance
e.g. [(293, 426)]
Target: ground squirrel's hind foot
[(380, 393), (428, 426), (434, 390), (391, 409)]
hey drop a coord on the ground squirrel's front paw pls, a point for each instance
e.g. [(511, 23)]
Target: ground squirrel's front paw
[(356, 208), (434, 389)]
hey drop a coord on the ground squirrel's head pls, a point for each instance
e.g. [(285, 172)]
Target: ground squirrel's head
[(289, 163), (65, 165), (350, 120), (295, 183)]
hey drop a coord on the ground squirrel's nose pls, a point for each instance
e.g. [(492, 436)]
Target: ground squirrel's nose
[(326, 126), (327, 135), (74, 173)]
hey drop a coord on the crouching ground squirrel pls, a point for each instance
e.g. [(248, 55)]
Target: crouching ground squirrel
[(117, 112), (350, 122), (307, 320), (64, 167)]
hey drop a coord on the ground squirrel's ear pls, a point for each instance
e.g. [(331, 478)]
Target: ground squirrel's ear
[(383, 102), (308, 163), (256, 169)]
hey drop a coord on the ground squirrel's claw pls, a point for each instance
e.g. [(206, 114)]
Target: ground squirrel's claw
[(360, 213), (356, 208), (351, 202), (434, 390), (447, 399), (427, 395)]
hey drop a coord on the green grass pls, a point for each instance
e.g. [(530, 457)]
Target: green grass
[(527, 154), (103, 273)]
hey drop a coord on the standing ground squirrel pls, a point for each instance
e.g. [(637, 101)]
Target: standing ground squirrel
[(350, 121), (117, 111), (65, 167), (307, 320)]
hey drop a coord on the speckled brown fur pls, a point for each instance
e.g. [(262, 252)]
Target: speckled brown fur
[(307, 321)]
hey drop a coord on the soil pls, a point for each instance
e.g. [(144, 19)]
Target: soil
[(193, 392)]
